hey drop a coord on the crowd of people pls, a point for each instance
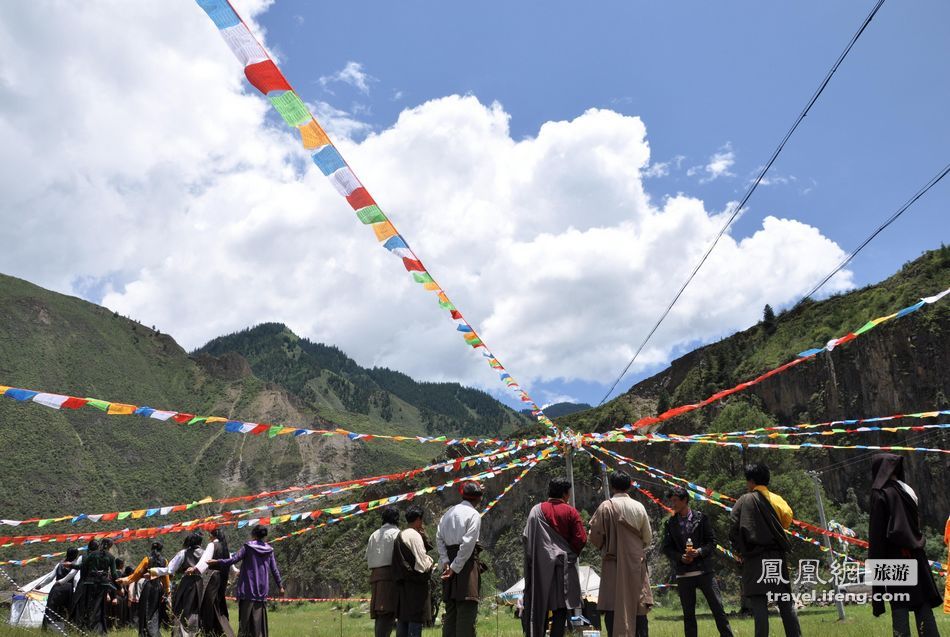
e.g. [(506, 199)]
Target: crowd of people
[(554, 537), (97, 592)]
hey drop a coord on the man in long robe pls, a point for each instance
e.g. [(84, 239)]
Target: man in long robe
[(457, 541), (553, 538), (412, 572), (621, 530), (759, 520), (894, 533), (379, 558)]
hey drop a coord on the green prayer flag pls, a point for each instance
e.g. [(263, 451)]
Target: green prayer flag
[(423, 277), (448, 305), (102, 405), (44, 522), (370, 214), (273, 431), (291, 108), (124, 515), (864, 328), (197, 420)]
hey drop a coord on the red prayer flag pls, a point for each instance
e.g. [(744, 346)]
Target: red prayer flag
[(258, 430), (360, 198), (413, 265), (108, 517), (456, 315), (182, 418), (266, 77), (74, 403)]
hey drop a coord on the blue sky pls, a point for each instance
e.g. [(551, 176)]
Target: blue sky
[(558, 166), (704, 77)]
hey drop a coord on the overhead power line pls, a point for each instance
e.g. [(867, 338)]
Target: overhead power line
[(920, 193), (748, 194)]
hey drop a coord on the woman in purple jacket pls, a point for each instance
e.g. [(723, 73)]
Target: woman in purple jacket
[(253, 584)]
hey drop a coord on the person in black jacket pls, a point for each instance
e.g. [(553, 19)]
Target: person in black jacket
[(894, 533), (689, 542)]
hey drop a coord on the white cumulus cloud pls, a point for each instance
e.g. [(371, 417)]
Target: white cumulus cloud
[(353, 74), (138, 169), (718, 165)]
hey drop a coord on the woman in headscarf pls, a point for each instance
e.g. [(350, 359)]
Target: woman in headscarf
[(60, 598), (97, 574), (253, 586), (186, 600), (152, 595), (213, 614), (894, 533)]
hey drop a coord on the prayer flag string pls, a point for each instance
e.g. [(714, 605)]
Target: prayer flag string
[(61, 401), (223, 519), (800, 358), (263, 74), (326, 490), (658, 437), (804, 428)]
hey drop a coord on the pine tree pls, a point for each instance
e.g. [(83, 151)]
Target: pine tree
[(768, 319)]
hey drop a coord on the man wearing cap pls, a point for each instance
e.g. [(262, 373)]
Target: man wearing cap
[(457, 542)]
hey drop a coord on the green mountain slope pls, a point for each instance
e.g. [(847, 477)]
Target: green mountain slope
[(330, 382)]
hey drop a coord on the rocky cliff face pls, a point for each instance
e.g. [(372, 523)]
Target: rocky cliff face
[(900, 367)]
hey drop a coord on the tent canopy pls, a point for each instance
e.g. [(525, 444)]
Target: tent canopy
[(590, 586)]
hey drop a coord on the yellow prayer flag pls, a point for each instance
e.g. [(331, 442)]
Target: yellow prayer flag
[(430, 286), (211, 419), (384, 230), (118, 409), (138, 514), (313, 136)]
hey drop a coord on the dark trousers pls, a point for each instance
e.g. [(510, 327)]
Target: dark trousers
[(459, 618), (707, 584), (923, 616), (760, 612), (643, 624), (384, 625), (559, 622), (408, 629)]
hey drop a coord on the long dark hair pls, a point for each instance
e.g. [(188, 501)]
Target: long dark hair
[(155, 558), (219, 534)]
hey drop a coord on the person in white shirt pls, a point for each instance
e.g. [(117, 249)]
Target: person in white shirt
[(412, 570), (457, 541), (379, 558)]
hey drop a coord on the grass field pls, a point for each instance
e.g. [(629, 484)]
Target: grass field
[(329, 620)]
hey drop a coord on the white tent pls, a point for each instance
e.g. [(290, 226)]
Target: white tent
[(590, 586), (29, 602)]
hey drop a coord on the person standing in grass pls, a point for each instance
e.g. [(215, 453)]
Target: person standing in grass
[(97, 574), (186, 598), (253, 584), (553, 538), (759, 520), (213, 613), (621, 530), (457, 541), (894, 533), (412, 572), (152, 594), (690, 542), (379, 558)]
